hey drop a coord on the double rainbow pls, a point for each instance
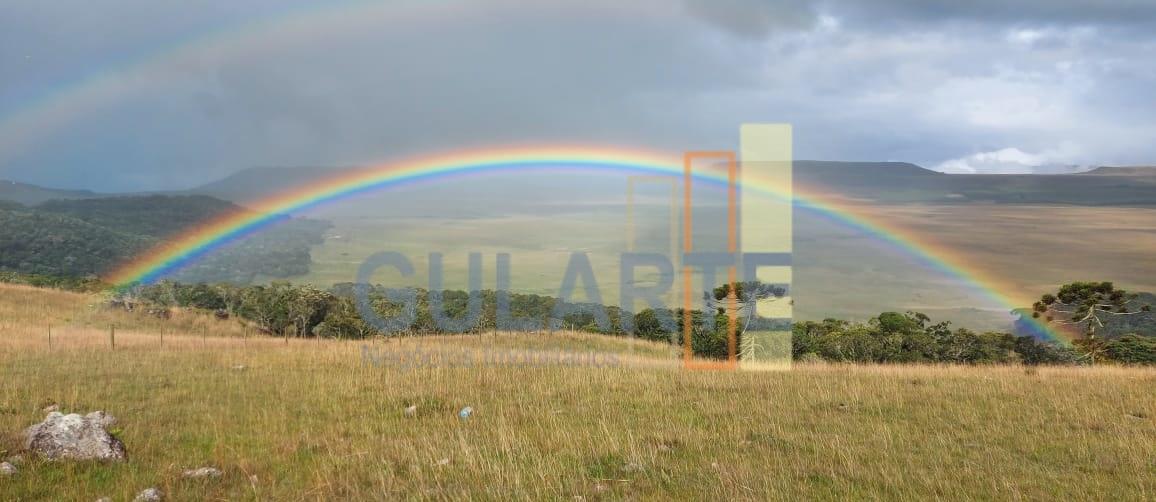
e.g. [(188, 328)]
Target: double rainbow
[(204, 239)]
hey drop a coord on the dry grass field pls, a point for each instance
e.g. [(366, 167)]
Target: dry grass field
[(313, 420), (1032, 249), (1097, 243), (838, 271)]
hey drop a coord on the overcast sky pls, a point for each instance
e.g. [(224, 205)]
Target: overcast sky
[(140, 94)]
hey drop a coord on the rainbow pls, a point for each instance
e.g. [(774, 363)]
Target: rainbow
[(63, 105), (292, 27), (204, 239)]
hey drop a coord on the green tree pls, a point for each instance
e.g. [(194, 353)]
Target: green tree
[(1084, 306), (1132, 349), (306, 308)]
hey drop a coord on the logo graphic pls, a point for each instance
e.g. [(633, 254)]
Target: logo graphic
[(724, 297)]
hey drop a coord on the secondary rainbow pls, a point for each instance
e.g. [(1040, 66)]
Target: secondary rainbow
[(203, 239), (284, 30)]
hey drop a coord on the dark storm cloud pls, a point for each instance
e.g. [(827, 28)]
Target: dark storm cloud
[(1006, 87)]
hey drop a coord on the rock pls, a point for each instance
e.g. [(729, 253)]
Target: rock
[(7, 469), (411, 411), (466, 412), (105, 420), (149, 495), (203, 472), (74, 437), (239, 367)]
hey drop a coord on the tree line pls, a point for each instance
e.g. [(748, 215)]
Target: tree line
[(284, 309)]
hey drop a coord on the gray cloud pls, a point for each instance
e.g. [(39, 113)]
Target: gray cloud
[(1079, 12), (755, 18), (931, 89)]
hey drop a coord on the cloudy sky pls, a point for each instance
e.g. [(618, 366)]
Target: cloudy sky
[(139, 94)]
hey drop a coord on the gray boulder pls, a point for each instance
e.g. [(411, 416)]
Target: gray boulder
[(74, 437), (7, 469)]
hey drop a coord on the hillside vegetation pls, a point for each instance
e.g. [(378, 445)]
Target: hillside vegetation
[(319, 420), (89, 237), (283, 310)]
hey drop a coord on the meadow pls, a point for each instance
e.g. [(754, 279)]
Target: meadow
[(317, 420), (838, 271)]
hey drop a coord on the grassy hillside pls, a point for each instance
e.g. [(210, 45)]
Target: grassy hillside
[(314, 421)]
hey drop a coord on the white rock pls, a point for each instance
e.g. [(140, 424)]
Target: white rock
[(7, 469), (74, 437), (149, 495), (411, 411), (203, 472)]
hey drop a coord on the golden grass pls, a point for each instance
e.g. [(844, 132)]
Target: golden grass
[(313, 420)]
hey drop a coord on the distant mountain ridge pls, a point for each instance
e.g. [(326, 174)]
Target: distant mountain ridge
[(30, 195), (253, 183), (257, 182), (884, 182), (1124, 171), (831, 168), (907, 183)]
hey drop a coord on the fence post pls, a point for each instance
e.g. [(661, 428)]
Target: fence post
[(49, 337), (112, 336)]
